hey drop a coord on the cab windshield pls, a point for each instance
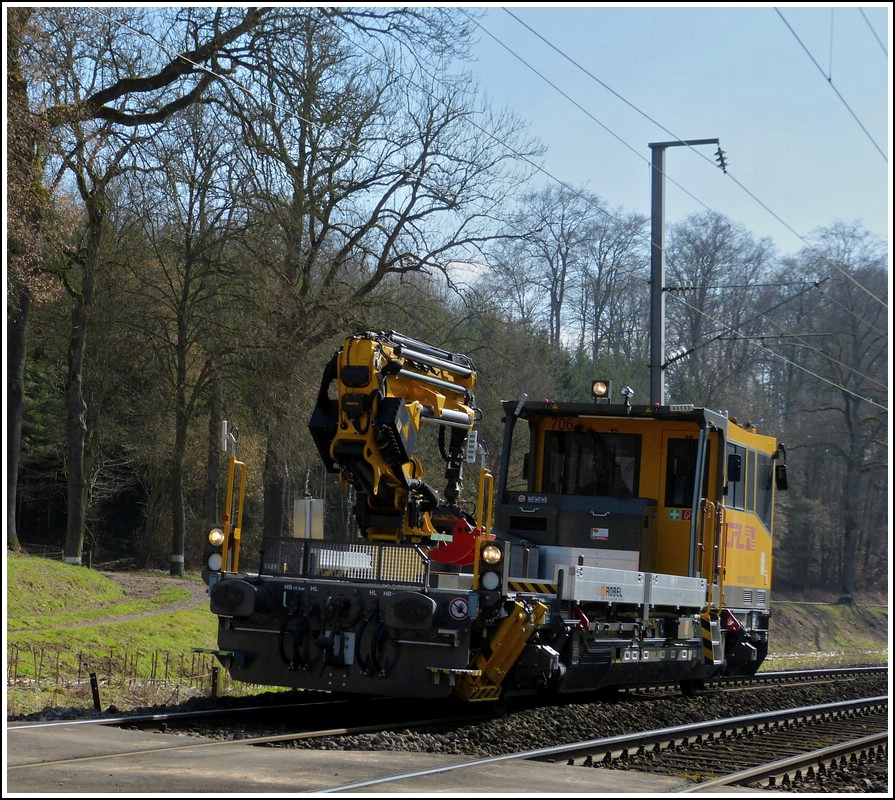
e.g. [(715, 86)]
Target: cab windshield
[(588, 462)]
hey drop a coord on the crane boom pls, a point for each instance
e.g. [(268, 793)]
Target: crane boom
[(387, 386)]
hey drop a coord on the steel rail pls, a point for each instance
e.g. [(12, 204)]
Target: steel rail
[(786, 765), (165, 716), (616, 742)]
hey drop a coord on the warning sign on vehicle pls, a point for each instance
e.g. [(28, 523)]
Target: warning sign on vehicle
[(459, 608)]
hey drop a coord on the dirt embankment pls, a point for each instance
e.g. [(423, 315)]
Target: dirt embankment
[(140, 586)]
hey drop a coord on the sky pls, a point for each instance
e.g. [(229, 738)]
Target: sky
[(798, 97)]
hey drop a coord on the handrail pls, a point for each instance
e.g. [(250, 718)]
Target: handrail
[(233, 535)]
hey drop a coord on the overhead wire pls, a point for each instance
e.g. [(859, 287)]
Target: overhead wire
[(797, 337), (648, 117), (800, 338), (605, 127), (521, 156), (847, 310), (347, 140), (678, 138), (786, 360), (829, 79), (585, 111), (300, 118), (873, 32), (714, 337), (671, 133)]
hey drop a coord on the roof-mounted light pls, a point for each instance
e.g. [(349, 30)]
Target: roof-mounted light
[(601, 390)]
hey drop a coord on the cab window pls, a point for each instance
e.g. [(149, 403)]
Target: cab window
[(588, 462), (736, 490), (764, 489), (680, 473)]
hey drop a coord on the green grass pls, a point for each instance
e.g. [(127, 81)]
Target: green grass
[(806, 635), (37, 619), (38, 587), (51, 651)]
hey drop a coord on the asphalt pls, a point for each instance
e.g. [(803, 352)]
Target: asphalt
[(88, 760)]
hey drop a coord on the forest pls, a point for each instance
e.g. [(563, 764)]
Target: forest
[(202, 203)]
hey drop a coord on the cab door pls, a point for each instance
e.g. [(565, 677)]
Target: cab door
[(685, 515)]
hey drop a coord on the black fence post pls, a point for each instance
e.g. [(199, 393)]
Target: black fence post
[(94, 687)]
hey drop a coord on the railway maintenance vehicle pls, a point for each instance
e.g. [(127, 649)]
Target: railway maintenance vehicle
[(619, 545)]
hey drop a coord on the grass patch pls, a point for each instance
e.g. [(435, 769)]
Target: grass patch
[(827, 635), (828, 628), (797, 661), (40, 620), (59, 631), (38, 587)]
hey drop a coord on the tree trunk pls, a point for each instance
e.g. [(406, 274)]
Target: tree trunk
[(76, 422), (16, 326), (76, 405), (851, 520), (213, 468), (24, 246), (274, 494), (181, 424)]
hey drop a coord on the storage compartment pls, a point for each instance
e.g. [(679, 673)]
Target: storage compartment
[(608, 523), (552, 557), (677, 591), (582, 522), (594, 584)]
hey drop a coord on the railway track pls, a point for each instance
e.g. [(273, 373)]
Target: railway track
[(812, 769), (789, 745), (703, 754), (698, 749), (742, 750)]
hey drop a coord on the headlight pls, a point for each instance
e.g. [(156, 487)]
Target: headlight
[(215, 561), (215, 537), (490, 581), (491, 554)]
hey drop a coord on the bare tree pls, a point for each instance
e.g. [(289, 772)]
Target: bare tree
[(67, 67), (356, 172), (186, 213), (541, 262), (93, 171), (837, 393), (572, 270), (715, 280), (612, 312)]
